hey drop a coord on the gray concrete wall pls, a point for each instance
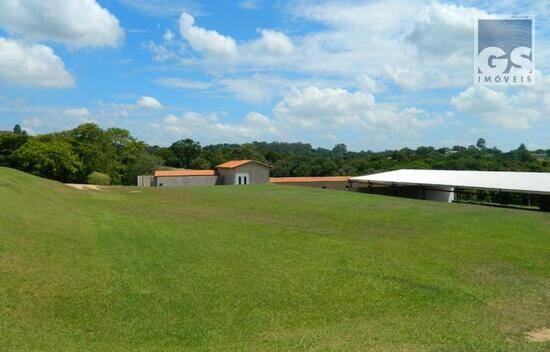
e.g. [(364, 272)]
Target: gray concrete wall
[(228, 176), (145, 180), (258, 174), (182, 181)]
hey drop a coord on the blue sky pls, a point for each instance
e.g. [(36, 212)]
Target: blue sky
[(370, 74)]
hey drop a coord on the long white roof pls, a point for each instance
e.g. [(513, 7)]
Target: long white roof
[(521, 182)]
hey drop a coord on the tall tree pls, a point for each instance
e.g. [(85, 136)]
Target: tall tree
[(340, 149), (17, 129), (185, 151), (52, 158), (522, 153), (9, 143), (98, 151), (481, 144)]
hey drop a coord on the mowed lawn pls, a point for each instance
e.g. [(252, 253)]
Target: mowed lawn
[(264, 268)]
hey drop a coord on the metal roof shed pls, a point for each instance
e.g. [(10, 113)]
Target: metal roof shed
[(504, 181)]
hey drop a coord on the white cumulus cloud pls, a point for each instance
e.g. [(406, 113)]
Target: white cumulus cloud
[(273, 42), (182, 83), (456, 23), (77, 112), (206, 41), (76, 23), (249, 4), (499, 108), (222, 51), (32, 65), (329, 109), (211, 128), (415, 45), (149, 103)]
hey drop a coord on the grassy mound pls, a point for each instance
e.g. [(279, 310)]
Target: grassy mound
[(264, 268)]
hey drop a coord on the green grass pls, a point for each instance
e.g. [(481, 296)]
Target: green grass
[(264, 268)]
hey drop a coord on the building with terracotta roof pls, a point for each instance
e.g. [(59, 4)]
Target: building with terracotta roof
[(184, 172), (244, 172), (234, 172)]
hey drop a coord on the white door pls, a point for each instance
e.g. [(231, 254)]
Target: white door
[(242, 179)]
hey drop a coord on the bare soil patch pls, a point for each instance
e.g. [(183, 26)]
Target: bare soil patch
[(538, 335), (84, 186)]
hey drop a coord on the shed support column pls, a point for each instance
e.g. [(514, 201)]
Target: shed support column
[(440, 194), (544, 202)]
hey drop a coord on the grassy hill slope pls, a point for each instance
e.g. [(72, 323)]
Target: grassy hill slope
[(264, 268)]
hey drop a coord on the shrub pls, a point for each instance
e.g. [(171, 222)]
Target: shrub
[(98, 178)]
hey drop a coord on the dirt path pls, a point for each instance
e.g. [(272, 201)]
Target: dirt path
[(84, 186)]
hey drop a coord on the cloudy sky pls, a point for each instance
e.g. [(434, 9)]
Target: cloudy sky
[(371, 74)]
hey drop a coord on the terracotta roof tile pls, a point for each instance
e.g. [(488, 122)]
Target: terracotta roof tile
[(236, 163), (184, 172), (308, 179)]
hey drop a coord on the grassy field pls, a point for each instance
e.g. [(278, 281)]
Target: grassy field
[(264, 268)]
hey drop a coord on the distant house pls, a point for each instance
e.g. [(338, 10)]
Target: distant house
[(234, 172), (244, 172)]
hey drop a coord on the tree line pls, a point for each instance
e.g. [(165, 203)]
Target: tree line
[(89, 153)]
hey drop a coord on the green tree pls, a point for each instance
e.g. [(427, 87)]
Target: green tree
[(52, 159), (17, 129), (98, 150), (185, 151), (167, 155), (9, 143), (481, 144), (138, 161), (200, 163), (522, 154), (326, 167), (340, 149)]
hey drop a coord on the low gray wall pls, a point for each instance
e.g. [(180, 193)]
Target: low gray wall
[(145, 180), (182, 181)]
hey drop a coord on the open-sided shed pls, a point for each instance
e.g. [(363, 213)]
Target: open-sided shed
[(442, 184)]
